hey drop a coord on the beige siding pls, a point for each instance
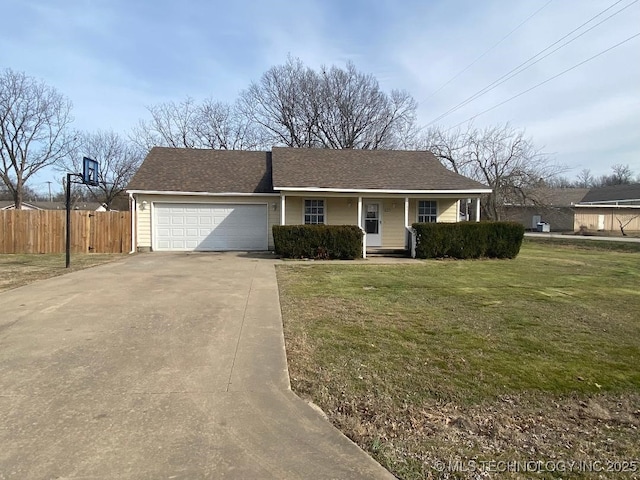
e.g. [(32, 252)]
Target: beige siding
[(448, 210), (342, 211), (143, 222), (144, 225), (588, 218), (293, 211)]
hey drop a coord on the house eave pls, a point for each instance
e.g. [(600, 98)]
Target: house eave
[(201, 194), (476, 191), (605, 205)]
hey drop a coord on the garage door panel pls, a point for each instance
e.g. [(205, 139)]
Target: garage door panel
[(211, 227)]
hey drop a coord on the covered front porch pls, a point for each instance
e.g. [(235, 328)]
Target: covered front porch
[(384, 219)]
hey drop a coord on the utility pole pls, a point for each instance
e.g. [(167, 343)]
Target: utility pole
[(49, 182)]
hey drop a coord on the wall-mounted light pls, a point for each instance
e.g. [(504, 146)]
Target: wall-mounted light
[(349, 203), (274, 206), (393, 205), (143, 205)]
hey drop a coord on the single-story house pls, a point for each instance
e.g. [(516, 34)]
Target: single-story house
[(607, 208), (208, 200), (555, 206)]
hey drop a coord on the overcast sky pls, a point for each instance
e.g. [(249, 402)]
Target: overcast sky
[(112, 58)]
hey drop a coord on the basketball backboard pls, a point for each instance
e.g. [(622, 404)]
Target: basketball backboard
[(89, 172)]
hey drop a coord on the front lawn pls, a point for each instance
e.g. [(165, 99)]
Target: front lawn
[(19, 269), (429, 364)]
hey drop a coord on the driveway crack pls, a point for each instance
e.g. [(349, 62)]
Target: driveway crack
[(244, 316)]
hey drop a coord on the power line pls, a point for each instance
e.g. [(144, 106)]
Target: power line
[(486, 52), (547, 80), (519, 69)]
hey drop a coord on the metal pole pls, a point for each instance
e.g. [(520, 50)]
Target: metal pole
[(68, 201)]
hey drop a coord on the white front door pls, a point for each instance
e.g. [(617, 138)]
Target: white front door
[(600, 222), (372, 221)]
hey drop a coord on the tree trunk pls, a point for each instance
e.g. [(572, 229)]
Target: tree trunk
[(17, 197)]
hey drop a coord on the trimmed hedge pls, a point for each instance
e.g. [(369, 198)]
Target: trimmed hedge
[(342, 242), (468, 240)]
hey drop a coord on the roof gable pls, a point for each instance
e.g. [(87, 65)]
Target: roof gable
[(209, 171), (348, 169)]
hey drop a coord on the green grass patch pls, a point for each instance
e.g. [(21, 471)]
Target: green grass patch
[(424, 362), (21, 269), (581, 243)]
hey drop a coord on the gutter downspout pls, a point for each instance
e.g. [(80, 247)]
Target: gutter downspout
[(132, 209)]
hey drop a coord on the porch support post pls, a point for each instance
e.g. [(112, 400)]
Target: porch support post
[(282, 212), (406, 212), (478, 209), (364, 236)]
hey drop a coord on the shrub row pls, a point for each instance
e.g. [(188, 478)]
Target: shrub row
[(318, 241), (468, 240)]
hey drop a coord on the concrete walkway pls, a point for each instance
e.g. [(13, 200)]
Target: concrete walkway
[(158, 366)]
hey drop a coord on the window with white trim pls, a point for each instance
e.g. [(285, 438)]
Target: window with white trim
[(427, 211), (313, 212)]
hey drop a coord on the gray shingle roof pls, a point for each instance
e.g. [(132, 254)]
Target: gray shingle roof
[(613, 193), (212, 171), (364, 169), (218, 171)]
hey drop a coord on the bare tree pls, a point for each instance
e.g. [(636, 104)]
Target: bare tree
[(118, 159), (223, 126), (624, 221), (171, 125), (622, 175), (355, 113), (585, 179), (449, 146), (34, 120), (188, 124), (285, 104), (501, 157), (336, 108)]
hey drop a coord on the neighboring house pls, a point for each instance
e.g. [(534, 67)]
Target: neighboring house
[(5, 205), (91, 206), (555, 206), (188, 199), (608, 208)]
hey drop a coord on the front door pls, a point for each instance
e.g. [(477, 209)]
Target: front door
[(373, 224)]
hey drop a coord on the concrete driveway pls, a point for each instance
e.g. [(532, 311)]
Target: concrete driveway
[(158, 366)]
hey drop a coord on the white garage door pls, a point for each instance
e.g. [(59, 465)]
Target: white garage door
[(210, 227)]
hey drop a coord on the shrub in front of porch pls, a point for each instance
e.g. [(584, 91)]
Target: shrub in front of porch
[(468, 240), (330, 242)]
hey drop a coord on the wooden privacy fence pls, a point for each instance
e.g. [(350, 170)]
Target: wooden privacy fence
[(43, 231)]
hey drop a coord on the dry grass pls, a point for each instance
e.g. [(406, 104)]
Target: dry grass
[(534, 359), (21, 269)]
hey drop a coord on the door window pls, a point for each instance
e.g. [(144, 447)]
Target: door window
[(371, 221)]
